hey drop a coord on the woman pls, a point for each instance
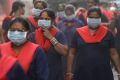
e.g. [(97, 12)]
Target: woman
[(115, 28), (30, 56), (38, 7), (10, 69), (52, 41), (17, 11), (69, 23), (93, 46), (60, 13)]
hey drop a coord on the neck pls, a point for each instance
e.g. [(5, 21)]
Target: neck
[(18, 46), (92, 31)]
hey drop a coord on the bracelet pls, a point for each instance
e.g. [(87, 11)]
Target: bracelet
[(54, 41)]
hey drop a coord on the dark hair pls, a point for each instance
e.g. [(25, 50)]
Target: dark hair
[(70, 7), (50, 13), (44, 4), (16, 5), (21, 20), (94, 9)]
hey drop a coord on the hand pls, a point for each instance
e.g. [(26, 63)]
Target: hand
[(47, 34), (68, 76)]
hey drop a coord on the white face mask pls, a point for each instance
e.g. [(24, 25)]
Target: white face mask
[(93, 22), (36, 12), (44, 23), (17, 37)]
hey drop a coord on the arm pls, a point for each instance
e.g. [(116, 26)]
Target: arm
[(113, 53), (115, 58), (112, 25), (61, 49), (59, 42), (71, 57), (60, 46), (70, 60)]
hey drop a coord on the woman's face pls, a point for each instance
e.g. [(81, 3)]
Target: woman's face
[(17, 34), (45, 21), (44, 16), (68, 13), (39, 6), (18, 27), (94, 20)]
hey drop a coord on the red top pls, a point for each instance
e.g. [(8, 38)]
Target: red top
[(96, 37), (32, 21), (6, 63), (8, 17), (25, 56), (41, 40), (108, 13)]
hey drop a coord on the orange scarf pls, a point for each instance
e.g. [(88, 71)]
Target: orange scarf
[(96, 38), (25, 56), (32, 21), (6, 63), (42, 41)]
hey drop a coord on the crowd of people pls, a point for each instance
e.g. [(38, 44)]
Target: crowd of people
[(68, 44)]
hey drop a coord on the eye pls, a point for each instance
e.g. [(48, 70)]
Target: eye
[(22, 30), (94, 17), (44, 18)]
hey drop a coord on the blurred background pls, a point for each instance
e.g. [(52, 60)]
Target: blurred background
[(5, 5)]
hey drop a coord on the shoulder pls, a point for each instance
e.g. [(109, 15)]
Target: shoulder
[(39, 52), (7, 19), (59, 33), (81, 28), (5, 44)]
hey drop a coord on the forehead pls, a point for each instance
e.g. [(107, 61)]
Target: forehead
[(44, 14), (39, 5), (17, 25), (94, 14)]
